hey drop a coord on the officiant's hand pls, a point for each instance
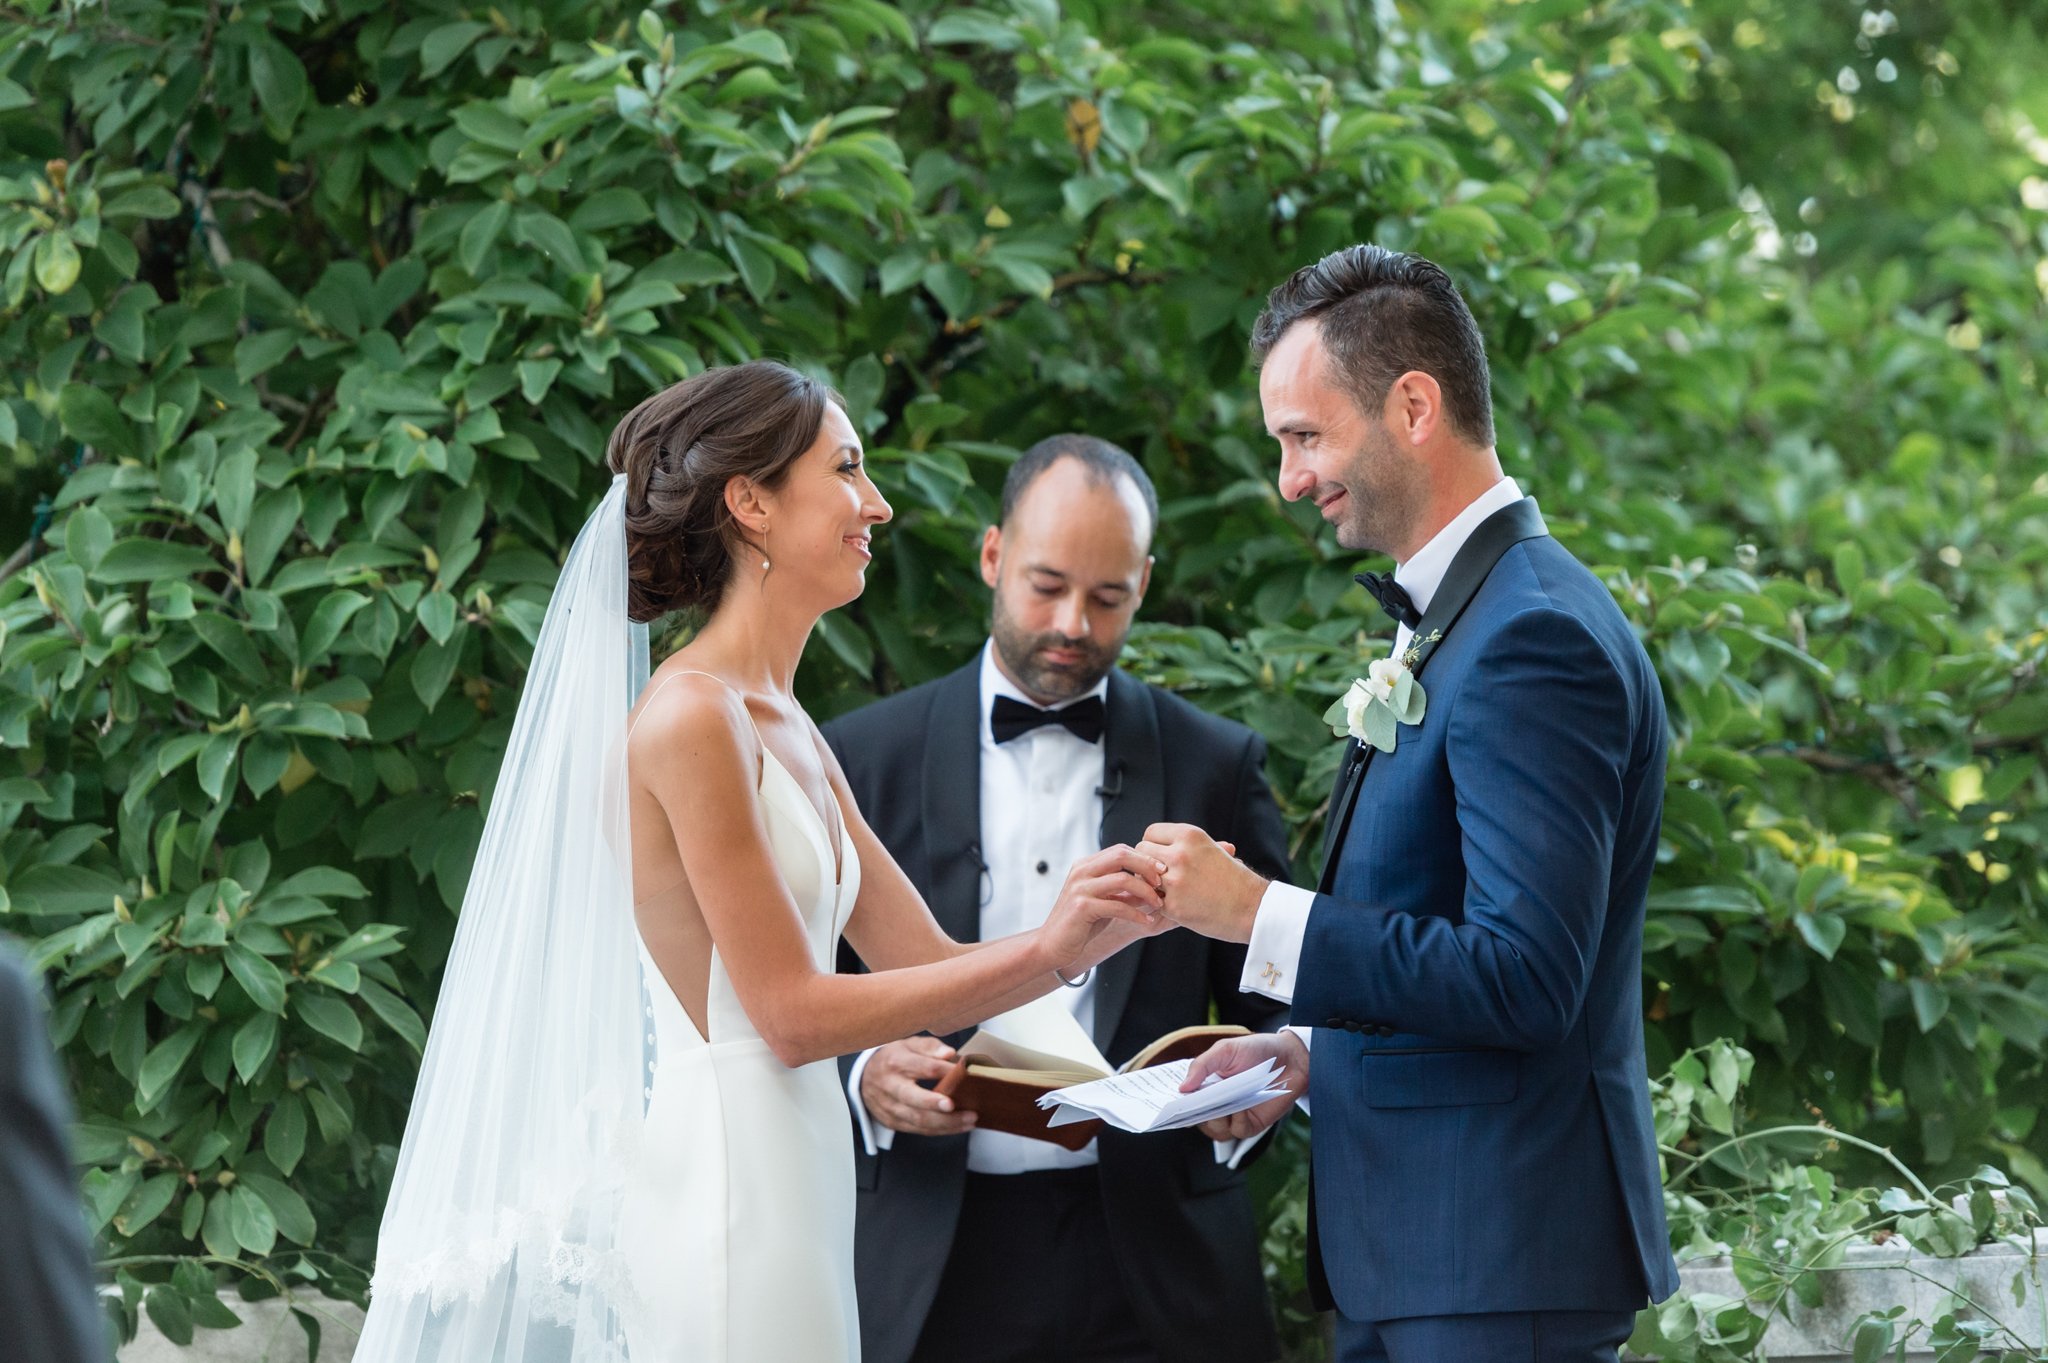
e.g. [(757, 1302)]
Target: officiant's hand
[(1206, 887), (1236, 1053), (890, 1089)]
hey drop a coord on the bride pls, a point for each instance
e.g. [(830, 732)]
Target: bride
[(628, 1143)]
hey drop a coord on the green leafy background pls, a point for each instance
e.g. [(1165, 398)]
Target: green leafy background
[(314, 316)]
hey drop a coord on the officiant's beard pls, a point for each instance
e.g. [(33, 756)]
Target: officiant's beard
[(1023, 657), (1384, 492)]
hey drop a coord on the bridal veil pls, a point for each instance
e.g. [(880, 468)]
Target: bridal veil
[(500, 1239)]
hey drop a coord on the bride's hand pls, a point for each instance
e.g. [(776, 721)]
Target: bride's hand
[(1116, 891), (1115, 936)]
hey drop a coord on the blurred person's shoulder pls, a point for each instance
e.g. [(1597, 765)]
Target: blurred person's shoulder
[(20, 989)]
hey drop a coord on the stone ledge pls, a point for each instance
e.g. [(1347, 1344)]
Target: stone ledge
[(1878, 1277), (1873, 1278), (268, 1334)]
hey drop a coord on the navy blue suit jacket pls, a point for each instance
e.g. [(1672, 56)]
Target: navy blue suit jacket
[(1473, 965)]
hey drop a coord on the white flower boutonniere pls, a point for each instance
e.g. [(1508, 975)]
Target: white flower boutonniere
[(1386, 696)]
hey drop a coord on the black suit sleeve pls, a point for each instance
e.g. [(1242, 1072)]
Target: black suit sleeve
[(47, 1297), (1261, 837)]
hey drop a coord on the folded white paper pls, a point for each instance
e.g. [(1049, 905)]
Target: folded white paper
[(1150, 1099)]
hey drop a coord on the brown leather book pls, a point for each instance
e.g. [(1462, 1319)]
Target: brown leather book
[(1001, 1082)]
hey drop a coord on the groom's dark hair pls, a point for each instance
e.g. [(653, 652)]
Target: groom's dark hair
[(1104, 463), (1383, 314)]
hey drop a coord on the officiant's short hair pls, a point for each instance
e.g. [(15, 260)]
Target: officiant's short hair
[(1385, 313), (1104, 463)]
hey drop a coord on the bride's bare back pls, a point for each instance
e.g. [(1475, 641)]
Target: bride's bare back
[(671, 922)]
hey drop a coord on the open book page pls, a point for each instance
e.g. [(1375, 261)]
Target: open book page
[(1151, 1100), (1183, 1043), (1041, 1035)]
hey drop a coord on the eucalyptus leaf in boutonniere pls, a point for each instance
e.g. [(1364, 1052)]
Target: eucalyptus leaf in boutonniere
[(1386, 696)]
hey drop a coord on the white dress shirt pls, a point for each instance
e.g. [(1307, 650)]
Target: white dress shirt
[(1040, 814), (1041, 811), (1273, 956)]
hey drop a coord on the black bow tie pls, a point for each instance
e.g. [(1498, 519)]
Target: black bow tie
[(1392, 598), (1008, 718)]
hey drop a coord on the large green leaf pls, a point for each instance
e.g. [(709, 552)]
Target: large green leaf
[(331, 1017), (255, 1044), (261, 980), (91, 416), (49, 888), (284, 1135), (446, 43), (293, 1218), (251, 1221), (147, 560), (280, 82), (57, 262), (162, 1064)]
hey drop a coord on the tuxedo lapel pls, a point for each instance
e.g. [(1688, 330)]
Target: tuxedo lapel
[(952, 804), (1134, 798), (1348, 771), (1493, 537)]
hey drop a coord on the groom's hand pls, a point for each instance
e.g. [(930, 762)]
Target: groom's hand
[(889, 1087), (1206, 887), (1233, 1054)]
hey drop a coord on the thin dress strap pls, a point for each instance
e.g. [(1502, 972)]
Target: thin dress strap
[(838, 859), (691, 672)]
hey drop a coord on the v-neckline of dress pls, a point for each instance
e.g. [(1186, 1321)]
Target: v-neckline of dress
[(837, 852)]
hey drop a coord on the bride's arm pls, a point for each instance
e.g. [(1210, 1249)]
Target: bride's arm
[(892, 929), (700, 758)]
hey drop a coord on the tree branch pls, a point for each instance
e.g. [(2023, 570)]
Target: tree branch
[(21, 557)]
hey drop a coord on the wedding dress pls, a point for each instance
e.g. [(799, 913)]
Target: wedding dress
[(739, 1223), (584, 1177)]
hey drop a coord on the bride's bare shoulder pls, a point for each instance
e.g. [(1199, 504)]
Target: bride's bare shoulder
[(689, 716)]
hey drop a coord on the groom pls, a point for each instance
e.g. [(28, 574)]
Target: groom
[(1484, 1170)]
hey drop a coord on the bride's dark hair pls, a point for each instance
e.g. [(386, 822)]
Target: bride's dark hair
[(679, 448)]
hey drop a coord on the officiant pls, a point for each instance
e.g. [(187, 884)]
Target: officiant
[(985, 785)]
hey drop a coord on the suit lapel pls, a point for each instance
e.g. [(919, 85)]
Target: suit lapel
[(1131, 768), (1348, 772), (952, 804), (1493, 537)]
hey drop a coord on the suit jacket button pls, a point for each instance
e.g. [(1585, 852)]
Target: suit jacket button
[(1334, 1022), (1386, 1030)]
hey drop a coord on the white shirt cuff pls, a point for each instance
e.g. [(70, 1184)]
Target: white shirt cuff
[(1233, 1152), (1308, 1043), (874, 1137), (1274, 953)]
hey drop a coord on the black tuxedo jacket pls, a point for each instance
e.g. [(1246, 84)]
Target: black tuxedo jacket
[(48, 1307), (1187, 1240)]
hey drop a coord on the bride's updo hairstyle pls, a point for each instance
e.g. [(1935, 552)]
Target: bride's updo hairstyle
[(679, 448)]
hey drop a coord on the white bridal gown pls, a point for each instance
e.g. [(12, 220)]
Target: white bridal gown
[(740, 1228)]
